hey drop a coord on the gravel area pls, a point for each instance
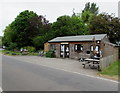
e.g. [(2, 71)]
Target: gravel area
[(71, 65)]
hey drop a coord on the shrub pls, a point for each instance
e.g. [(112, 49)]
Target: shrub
[(30, 49), (12, 46), (39, 42), (13, 54), (50, 54), (7, 52), (24, 53)]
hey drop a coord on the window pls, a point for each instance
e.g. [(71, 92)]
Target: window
[(97, 48), (78, 47), (98, 42), (52, 47), (91, 48)]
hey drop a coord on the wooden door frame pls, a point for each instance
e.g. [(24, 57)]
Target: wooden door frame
[(64, 52)]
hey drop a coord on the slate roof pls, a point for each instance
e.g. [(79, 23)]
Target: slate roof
[(78, 38)]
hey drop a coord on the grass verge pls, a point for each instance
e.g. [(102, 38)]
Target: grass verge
[(13, 53), (111, 72)]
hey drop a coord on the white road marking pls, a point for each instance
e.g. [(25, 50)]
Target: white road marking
[(1, 90)]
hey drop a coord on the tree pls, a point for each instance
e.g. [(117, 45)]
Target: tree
[(9, 35), (0, 40), (26, 26), (106, 24), (39, 41), (21, 27), (86, 16), (89, 11), (91, 7), (39, 25), (66, 25)]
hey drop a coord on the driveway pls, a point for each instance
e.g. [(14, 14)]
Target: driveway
[(70, 65)]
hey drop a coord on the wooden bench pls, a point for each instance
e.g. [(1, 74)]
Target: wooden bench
[(91, 63)]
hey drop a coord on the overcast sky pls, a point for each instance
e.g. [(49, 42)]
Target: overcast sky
[(51, 10)]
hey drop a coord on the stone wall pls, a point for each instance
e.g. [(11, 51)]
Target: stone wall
[(109, 49), (106, 48), (76, 55), (57, 50)]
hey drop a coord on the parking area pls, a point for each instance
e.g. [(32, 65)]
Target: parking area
[(70, 65)]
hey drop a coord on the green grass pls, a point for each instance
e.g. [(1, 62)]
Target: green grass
[(112, 70), (0, 40), (9, 53)]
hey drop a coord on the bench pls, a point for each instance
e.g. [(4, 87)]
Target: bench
[(91, 63)]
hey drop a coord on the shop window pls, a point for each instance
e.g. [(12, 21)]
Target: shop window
[(97, 48), (78, 47), (91, 48)]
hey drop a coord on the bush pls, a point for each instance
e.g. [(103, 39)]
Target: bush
[(30, 49), (13, 54), (7, 52), (24, 53), (39, 42), (50, 54), (12, 46)]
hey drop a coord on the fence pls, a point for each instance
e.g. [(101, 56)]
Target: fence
[(106, 61)]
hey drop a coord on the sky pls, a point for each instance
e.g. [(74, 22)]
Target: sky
[(51, 9)]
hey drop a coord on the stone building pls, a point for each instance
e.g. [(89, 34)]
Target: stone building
[(82, 46)]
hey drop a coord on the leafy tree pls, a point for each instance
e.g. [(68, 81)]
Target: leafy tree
[(89, 11), (91, 7), (9, 35), (26, 26), (12, 46), (86, 16), (39, 42), (0, 40), (39, 25), (66, 25), (106, 24), (21, 27)]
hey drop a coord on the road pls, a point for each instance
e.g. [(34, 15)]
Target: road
[(24, 76)]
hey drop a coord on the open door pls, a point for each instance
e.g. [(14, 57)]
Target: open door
[(64, 50)]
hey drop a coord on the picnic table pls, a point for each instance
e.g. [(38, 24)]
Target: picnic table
[(91, 63)]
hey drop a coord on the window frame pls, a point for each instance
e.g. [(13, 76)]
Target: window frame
[(91, 48), (79, 49)]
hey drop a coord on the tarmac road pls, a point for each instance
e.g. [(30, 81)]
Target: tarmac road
[(24, 76)]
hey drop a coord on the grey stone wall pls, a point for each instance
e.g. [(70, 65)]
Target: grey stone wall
[(106, 48), (73, 54), (57, 50), (76, 55), (109, 49)]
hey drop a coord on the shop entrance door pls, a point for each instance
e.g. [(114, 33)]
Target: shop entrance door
[(64, 50)]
